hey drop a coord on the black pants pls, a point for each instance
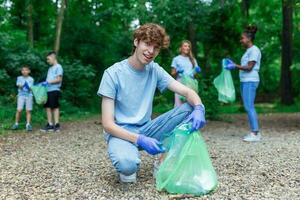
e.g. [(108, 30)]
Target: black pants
[(53, 100)]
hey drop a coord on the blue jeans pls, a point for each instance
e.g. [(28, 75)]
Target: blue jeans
[(125, 155), (248, 92)]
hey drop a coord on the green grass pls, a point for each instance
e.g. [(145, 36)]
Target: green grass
[(71, 113), (237, 108), (67, 113), (261, 108)]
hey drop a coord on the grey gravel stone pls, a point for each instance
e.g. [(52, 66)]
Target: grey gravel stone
[(73, 164)]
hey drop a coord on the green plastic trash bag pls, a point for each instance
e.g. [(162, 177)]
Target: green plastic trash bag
[(224, 85), (190, 83), (40, 94), (187, 168)]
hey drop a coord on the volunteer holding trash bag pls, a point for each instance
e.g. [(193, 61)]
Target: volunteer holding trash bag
[(24, 84), (127, 89), (184, 65), (53, 84), (249, 77)]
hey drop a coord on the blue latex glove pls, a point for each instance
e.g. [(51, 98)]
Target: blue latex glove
[(197, 69), (26, 87), (180, 71), (197, 117), (44, 83), (151, 145), (229, 64)]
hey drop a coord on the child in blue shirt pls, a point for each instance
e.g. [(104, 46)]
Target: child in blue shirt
[(53, 83), (24, 84)]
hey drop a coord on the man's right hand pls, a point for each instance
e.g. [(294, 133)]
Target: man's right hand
[(151, 145)]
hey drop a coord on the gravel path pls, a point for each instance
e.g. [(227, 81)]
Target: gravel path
[(74, 165)]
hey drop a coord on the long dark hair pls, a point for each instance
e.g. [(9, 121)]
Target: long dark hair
[(250, 32)]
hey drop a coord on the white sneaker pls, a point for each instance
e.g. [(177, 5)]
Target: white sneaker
[(251, 137), (128, 179)]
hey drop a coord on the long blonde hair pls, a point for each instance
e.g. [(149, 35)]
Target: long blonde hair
[(190, 54)]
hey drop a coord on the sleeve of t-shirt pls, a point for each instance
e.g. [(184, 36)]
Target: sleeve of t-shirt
[(30, 84), (174, 63), (254, 55), (59, 71), (163, 79), (107, 86), (19, 81)]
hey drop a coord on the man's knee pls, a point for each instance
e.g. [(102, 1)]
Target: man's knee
[(186, 107), (127, 166)]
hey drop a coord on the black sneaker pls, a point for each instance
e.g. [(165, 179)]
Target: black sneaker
[(48, 128), (57, 127)]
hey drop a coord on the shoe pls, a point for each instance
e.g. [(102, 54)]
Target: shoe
[(48, 128), (128, 179), (251, 137), (57, 128), (28, 127), (15, 127)]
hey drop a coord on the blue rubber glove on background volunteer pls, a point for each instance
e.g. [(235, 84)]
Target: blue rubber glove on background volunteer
[(229, 64), (197, 69), (150, 145), (179, 71), (44, 83), (197, 117)]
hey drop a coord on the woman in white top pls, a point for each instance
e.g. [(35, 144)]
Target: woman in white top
[(184, 64), (249, 78)]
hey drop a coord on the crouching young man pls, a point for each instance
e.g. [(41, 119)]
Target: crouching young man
[(127, 89)]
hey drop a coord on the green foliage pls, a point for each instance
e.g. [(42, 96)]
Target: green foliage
[(78, 85), (96, 34), (209, 96)]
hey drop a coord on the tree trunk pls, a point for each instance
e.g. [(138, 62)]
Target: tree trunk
[(222, 3), (191, 32), (59, 23), (245, 9), (30, 24), (192, 38), (286, 52)]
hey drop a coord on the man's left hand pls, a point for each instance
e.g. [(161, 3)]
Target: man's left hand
[(197, 117)]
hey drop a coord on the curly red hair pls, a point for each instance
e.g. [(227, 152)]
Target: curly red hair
[(153, 34)]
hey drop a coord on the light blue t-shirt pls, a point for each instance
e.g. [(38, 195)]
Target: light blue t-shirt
[(53, 72), (133, 90), (252, 54), (21, 81), (183, 62)]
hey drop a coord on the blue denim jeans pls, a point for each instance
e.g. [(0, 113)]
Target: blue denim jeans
[(125, 155), (248, 92)]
